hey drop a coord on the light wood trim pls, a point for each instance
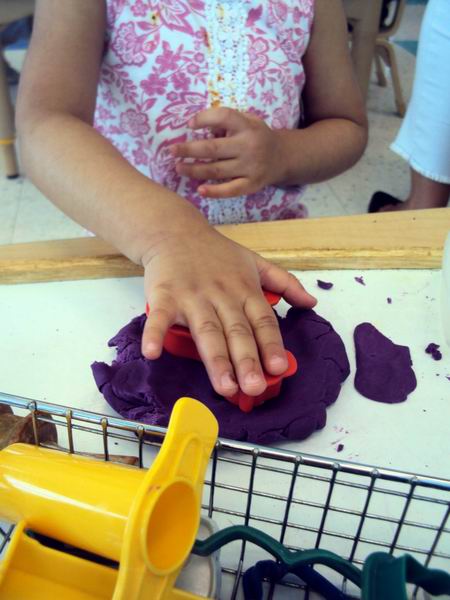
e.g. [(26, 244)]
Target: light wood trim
[(408, 240)]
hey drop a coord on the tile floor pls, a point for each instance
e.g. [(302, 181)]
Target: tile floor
[(26, 215)]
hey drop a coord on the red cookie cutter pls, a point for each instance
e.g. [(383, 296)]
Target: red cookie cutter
[(179, 342), (247, 403)]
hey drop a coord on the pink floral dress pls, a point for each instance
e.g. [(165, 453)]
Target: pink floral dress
[(166, 60)]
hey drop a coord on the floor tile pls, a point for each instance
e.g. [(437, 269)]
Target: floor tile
[(321, 201), (38, 219), (411, 21), (409, 45), (15, 58), (355, 188), (10, 193)]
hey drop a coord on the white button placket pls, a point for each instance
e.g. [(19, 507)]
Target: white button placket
[(228, 78), (228, 53)]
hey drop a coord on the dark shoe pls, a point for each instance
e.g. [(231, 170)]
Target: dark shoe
[(381, 199)]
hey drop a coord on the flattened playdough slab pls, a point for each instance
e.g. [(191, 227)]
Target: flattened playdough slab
[(146, 391), (383, 369)]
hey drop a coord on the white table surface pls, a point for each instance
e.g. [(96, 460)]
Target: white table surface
[(52, 332)]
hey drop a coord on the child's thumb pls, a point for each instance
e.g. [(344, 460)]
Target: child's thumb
[(276, 279)]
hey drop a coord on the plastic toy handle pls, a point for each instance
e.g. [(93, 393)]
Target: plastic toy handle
[(385, 576), (165, 513), (277, 550)]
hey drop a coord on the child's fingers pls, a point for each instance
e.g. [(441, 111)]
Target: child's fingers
[(223, 169), (230, 189), (209, 337), (220, 118), (242, 348), (159, 320), (278, 280), (213, 149), (267, 334)]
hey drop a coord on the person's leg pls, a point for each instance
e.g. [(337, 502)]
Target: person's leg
[(426, 193), (424, 137)]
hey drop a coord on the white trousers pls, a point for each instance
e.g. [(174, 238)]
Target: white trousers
[(424, 137)]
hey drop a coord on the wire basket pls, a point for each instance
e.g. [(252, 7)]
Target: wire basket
[(302, 500)]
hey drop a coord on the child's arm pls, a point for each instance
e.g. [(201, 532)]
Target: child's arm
[(336, 132), (253, 156), (193, 275)]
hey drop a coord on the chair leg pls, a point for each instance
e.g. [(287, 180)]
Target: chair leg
[(399, 99), (11, 167), (381, 77), (386, 51), (7, 132)]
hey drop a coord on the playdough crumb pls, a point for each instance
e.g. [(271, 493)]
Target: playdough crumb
[(324, 285), (340, 447), (389, 300), (433, 349), (360, 280)]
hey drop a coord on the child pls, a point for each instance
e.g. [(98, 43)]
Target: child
[(196, 106)]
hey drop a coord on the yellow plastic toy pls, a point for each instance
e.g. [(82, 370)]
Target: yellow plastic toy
[(148, 521)]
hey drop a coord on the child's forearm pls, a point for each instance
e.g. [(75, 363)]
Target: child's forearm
[(321, 151), (85, 176)]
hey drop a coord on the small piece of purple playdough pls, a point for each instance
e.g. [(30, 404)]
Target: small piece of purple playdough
[(324, 285), (433, 349), (360, 280), (340, 447), (389, 300), (146, 391), (383, 369)]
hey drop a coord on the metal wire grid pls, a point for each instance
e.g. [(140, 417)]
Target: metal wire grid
[(304, 501)]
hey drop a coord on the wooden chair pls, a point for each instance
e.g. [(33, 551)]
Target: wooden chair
[(10, 11), (385, 53), (363, 17)]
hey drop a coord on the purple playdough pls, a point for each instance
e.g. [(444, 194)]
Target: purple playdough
[(146, 391), (383, 369), (433, 349), (324, 285)]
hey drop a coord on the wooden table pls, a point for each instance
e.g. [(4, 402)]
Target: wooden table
[(403, 239), (364, 16)]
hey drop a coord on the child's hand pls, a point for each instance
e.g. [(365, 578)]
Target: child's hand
[(248, 156), (212, 285)]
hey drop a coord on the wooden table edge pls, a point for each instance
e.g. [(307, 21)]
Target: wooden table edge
[(400, 240)]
